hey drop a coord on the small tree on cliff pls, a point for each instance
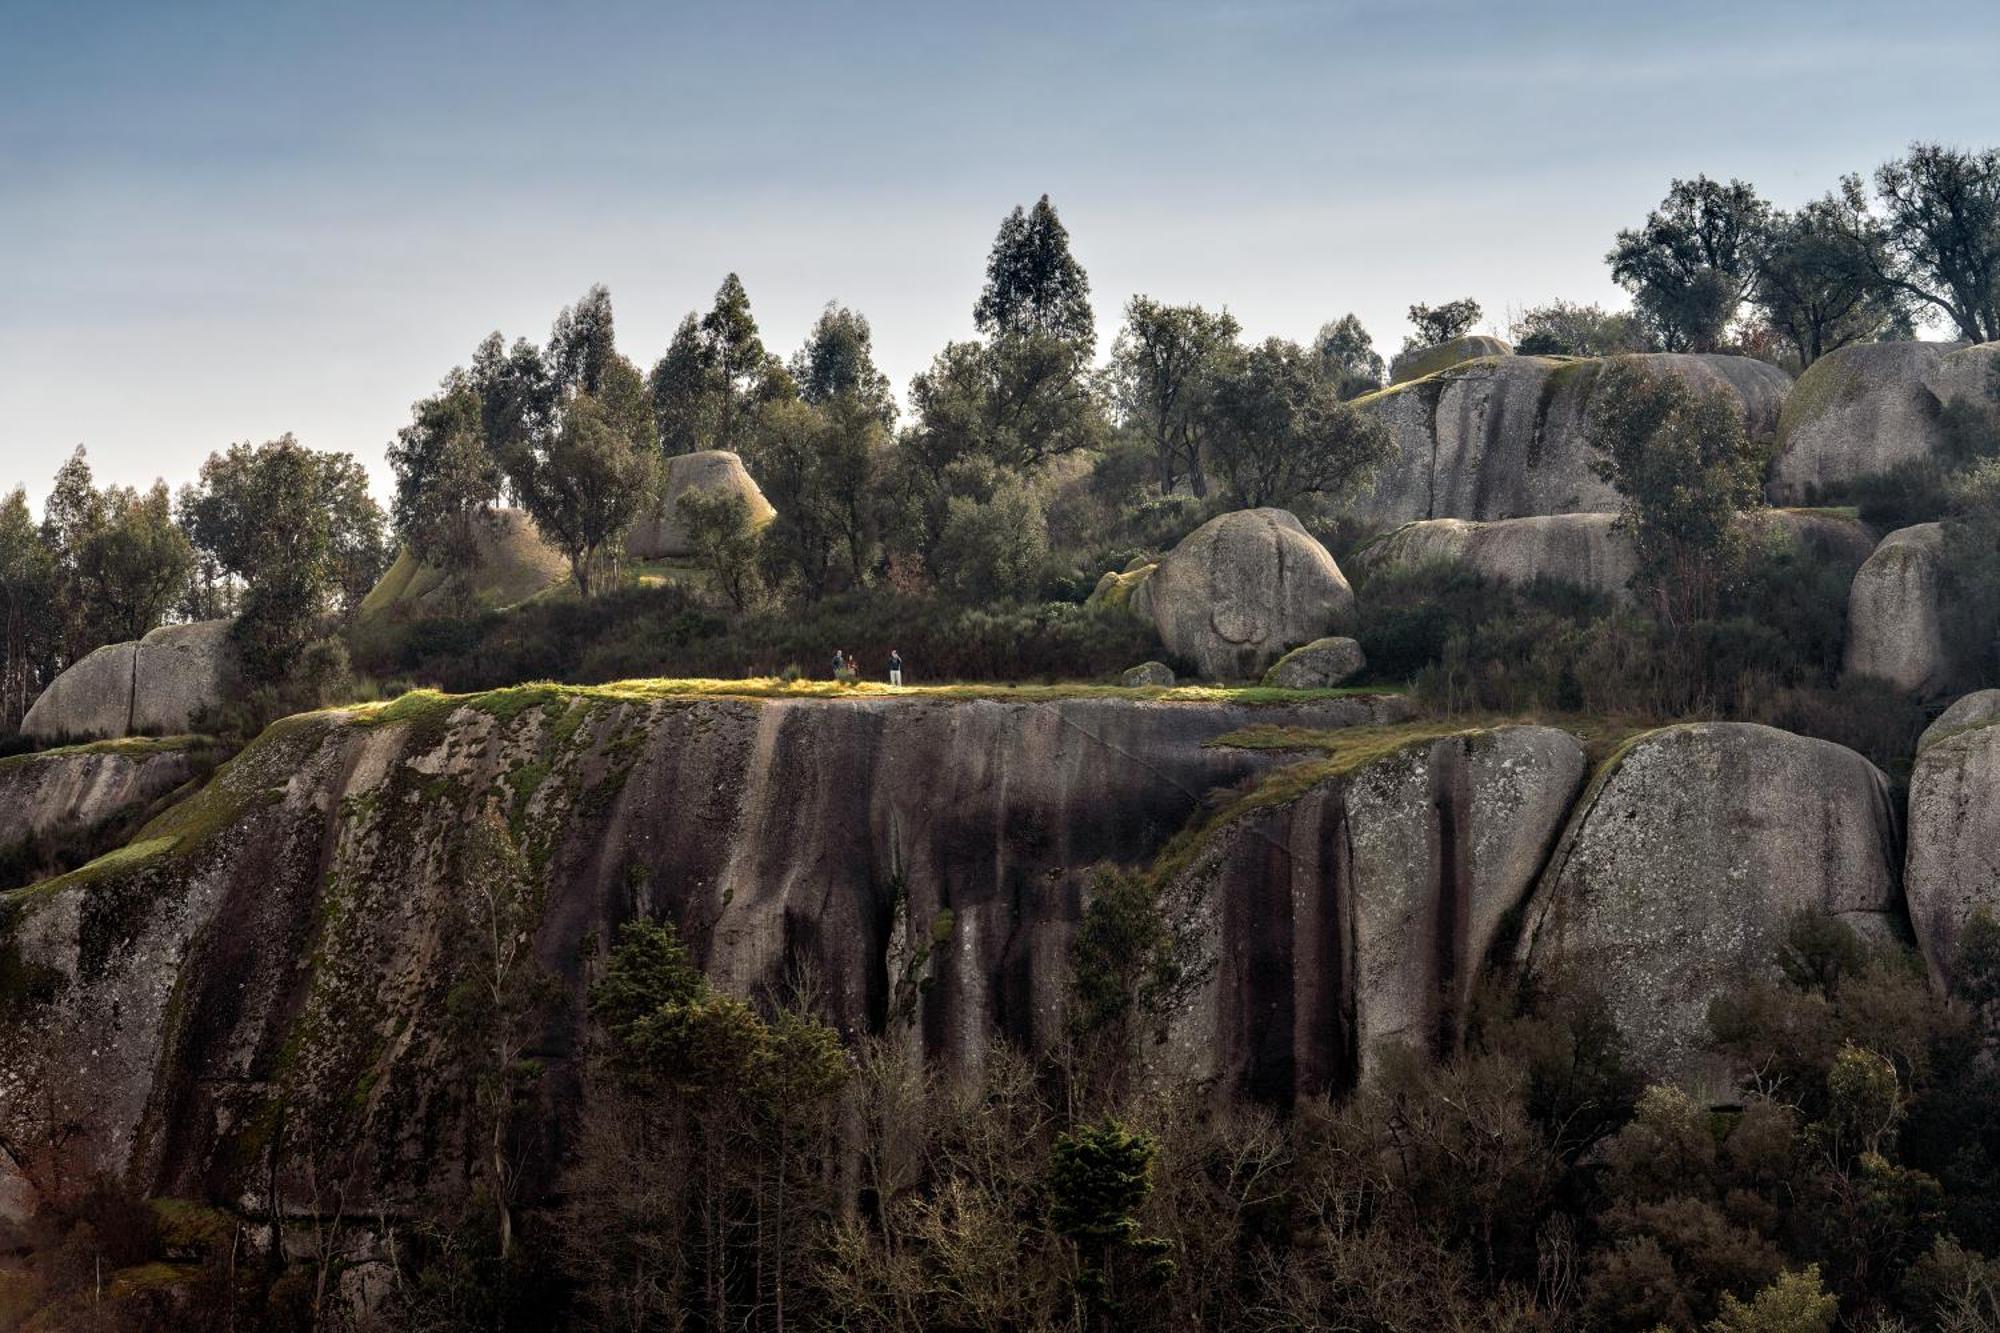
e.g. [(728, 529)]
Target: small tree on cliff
[(1683, 468)]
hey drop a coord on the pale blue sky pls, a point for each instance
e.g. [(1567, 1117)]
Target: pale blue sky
[(225, 222)]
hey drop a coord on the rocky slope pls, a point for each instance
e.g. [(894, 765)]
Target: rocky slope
[(279, 967)]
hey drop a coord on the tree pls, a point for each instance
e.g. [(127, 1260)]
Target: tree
[(132, 564), (1561, 328), (705, 390), (817, 465), (583, 342), (591, 480), (1442, 323), (1033, 284), (517, 396), (1165, 362), (723, 541), (1811, 288), (27, 592), (1937, 238), (838, 361), (745, 373), (1099, 1177), (447, 479), (1282, 433), (1683, 468), (1347, 357), (686, 391), (301, 531), (71, 513), (1693, 261), (993, 548)]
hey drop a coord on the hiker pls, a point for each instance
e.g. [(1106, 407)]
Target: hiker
[(895, 667), (853, 670), (839, 663)]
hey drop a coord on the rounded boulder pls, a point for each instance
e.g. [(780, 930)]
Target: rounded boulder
[(1953, 867), (1244, 588), (708, 472), (1895, 613), (1422, 361), (1322, 664)]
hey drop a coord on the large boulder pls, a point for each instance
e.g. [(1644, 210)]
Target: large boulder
[(1866, 408), (1684, 864), (515, 563), (1588, 550), (1422, 361), (1242, 589), (707, 472), (1953, 867), (156, 686), (1503, 437), (72, 800), (1895, 613), (1358, 913), (90, 700)]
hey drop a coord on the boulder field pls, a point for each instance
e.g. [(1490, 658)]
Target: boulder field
[(1503, 436), (279, 948)]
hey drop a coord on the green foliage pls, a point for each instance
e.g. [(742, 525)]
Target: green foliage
[(1441, 323), (592, 479), (1165, 363), (1033, 284), (1813, 289), (1683, 468), (446, 476), (1934, 233), (1563, 328), (1693, 261), (1794, 1303), (1282, 433), (724, 542), (1099, 1177), (1347, 357), (993, 549), (838, 362)]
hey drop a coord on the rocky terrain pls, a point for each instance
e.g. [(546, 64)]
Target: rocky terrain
[(287, 937)]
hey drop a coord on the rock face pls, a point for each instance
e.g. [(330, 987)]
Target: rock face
[(1953, 869), (1322, 664), (1683, 864), (1358, 913), (1587, 549), (76, 796), (157, 685), (1895, 613), (515, 563), (1430, 360), (1865, 408), (1504, 437), (1242, 589), (1128, 589), (292, 931), (707, 472)]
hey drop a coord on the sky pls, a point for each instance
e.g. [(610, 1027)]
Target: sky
[(226, 222)]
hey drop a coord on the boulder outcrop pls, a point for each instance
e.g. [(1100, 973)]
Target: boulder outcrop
[(1503, 437), (1953, 868), (1359, 912), (515, 563), (291, 932), (1685, 861), (1242, 589), (156, 686), (1422, 361), (707, 472), (1895, 613), (1588, 550), (1865, 408)]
